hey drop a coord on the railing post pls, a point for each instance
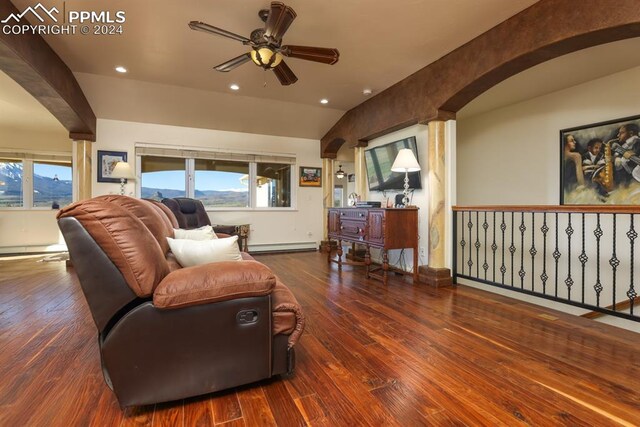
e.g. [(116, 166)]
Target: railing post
[(454, 248)]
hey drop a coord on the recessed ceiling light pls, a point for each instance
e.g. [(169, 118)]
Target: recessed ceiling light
[(324, 101), (234, 87), (121, 69), (367, 92)]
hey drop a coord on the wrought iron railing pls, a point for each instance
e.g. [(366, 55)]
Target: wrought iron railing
[(578, 255)]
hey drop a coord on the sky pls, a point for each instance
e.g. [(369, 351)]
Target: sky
[(50, 171), (205, 180)]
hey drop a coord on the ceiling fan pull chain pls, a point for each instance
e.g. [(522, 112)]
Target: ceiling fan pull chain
[(265, 78)]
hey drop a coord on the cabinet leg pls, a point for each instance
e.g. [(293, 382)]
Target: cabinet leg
[(329, 254), (416, 277), (339, 254), (385, 266), (367, 260)]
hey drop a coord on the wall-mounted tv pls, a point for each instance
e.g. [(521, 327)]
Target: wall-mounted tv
[(379, 161)]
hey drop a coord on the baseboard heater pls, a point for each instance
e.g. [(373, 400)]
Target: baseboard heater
[(283, 247)]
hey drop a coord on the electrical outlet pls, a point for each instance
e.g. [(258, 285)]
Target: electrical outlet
[(422, 251)]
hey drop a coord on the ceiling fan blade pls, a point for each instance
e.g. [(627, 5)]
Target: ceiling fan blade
[(278, 22), (284, 74), (317, 54), (206, 28), (233, 63)]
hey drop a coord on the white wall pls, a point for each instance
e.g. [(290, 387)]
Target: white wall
[(300, 227), (24, 230), (512, 155), (420, 198)]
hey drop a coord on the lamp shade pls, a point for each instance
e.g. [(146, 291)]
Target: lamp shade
[(122, 170), (405, 162)]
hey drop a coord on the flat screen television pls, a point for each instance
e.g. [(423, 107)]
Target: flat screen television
[(379, 161)]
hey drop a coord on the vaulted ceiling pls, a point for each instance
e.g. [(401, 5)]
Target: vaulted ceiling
[(171, 80)]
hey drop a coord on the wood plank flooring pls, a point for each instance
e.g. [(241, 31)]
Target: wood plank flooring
[(371, 355)]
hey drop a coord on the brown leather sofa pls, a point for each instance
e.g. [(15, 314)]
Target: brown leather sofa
[(167, 332)]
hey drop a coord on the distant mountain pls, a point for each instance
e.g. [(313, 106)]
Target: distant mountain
[(220, 198), (44, 188)]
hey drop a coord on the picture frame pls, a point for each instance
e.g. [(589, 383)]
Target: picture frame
[(310, 176), (600, 163), (106, 162)]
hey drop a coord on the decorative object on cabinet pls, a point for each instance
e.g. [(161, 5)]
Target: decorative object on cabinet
[(405, 162)]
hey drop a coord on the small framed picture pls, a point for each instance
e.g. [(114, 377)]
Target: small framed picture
[(107, 160), (310, 177)]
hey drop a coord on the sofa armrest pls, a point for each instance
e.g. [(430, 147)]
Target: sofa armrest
[(214, 282)]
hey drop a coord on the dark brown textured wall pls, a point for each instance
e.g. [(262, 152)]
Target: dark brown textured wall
[(546, 30)]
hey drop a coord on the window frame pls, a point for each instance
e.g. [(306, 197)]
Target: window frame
[(253, 166), (28, 160)]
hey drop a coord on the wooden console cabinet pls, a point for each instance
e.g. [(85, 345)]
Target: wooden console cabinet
[(375, 227)]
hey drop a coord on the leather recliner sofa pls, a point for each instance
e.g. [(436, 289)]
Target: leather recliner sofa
[(167, 332), (191, 213)]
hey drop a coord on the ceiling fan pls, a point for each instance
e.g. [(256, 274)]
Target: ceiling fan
[(267, 50)]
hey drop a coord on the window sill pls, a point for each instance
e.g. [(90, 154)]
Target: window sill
[(210, 209)]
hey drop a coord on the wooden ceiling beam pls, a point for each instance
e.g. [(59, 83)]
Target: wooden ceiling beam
[(546, 30), (30, 61)]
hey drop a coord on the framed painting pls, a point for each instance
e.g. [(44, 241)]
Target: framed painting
[(310, 177), (600, 163), (107, 160)]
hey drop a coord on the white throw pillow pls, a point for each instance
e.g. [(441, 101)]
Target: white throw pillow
[(196, 252), (203, 233)]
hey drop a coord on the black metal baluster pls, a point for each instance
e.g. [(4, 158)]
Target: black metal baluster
[(631, 293), (477, 244), (494, 247), (503, 227), (522, 229), (556, 255), (462, 242), (470, 226), (533, 251), (598, 286), (614, 262), (485, 225), (583, 258), (545, 230), (512, 248), (454, 249), (569, 280)]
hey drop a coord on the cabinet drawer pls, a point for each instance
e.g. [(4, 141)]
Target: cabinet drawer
[(353, 229), (356, 214)]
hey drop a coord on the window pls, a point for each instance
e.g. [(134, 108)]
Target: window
[(11, 172), (162, 177), (338, 194), (52, 186), (273, 185), (222, 183), (219, 179)]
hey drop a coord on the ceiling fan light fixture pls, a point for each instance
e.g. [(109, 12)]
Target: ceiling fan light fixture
[(265, 57), (340, 173)]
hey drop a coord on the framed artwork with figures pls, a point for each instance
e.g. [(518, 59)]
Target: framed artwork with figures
[(107, 160), (600, 163)]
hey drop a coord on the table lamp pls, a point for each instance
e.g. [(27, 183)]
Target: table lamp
[(405, 162), (123, 171)]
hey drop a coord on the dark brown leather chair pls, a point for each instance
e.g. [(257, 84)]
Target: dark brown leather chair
[(190, 213), (167, 332)]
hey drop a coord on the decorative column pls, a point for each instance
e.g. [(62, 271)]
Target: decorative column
[(82, 160), (360, 172), (327, 201), (436, 273)]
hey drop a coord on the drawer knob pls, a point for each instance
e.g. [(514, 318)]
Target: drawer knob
[(361, 215), (342, 227)]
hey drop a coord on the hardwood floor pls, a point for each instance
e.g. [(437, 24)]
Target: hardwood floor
[(371, 355)]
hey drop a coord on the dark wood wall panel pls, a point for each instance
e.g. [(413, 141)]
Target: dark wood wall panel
[(546, 30)]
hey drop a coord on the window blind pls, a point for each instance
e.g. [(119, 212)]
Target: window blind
[(44, 157), (214, 155)]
